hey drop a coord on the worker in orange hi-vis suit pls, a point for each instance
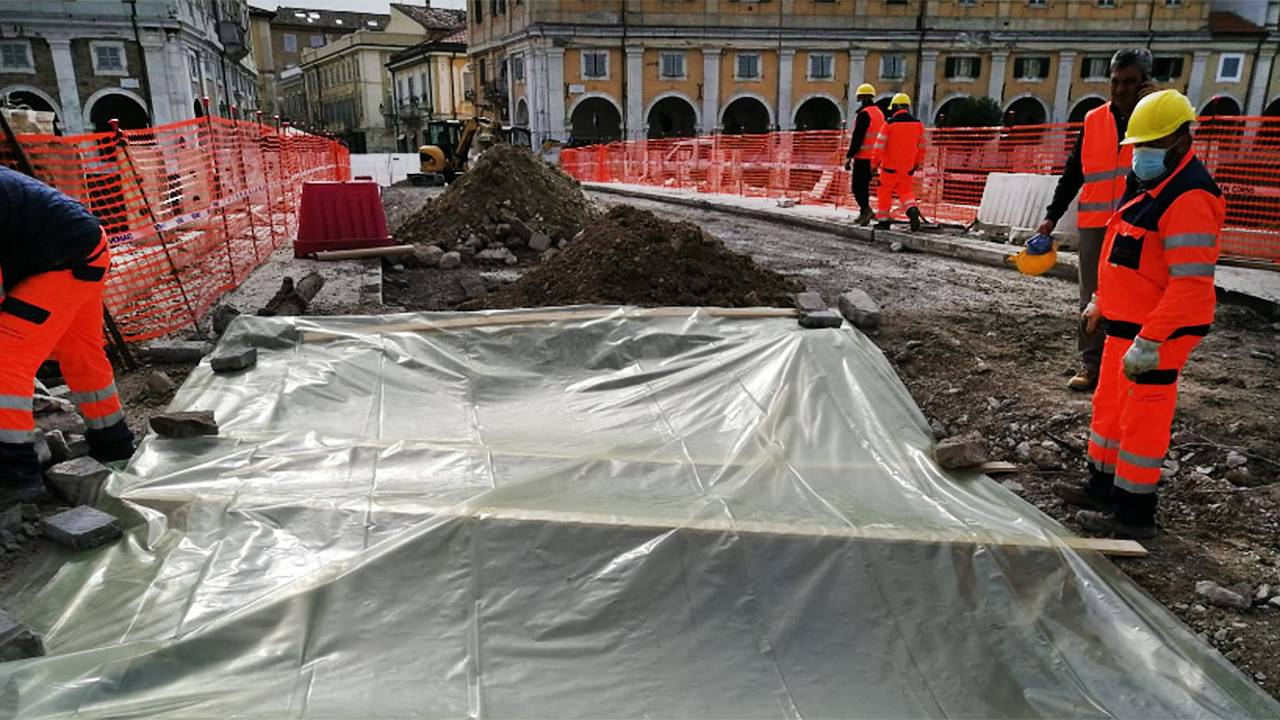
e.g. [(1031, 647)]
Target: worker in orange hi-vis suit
[(53, 265), (902, 138), (1155, 301)]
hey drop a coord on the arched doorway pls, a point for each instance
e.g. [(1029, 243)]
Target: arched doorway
[(818, 113), (947, 108), (672, 117), (1273, 110), (522, 113), (883, 104), (122, 108), (746, 116), (35, 102), (1025, 111), (594, 121), (1084, 107), (199, 108), (1221, 105)]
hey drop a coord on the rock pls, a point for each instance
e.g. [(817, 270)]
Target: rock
[(185, 424), (809, 302), (1262, 355), (176, 351), (450, 260), (474, 241), (222, 317), (1232, 655), (17, 641), (1238, 477), (1173, 466), (67, 422), (1205, 469), (233, 361), (1198, 608), (492, 255), (1183, 437), (580, 234), (821, 319), (473, 286), (1221, 635), (427, 257), (30, 512), (858, 308), (43, 453), (1274, 602), (77, 446), (895, 247), (468, 253), (1262, 595), (993, 404), (1013, 485), (82, 528), (786, 202), (1045, 459), (79, 480), (11, 518), (42, 404), (981, 367), (963, 451), (1051, 445), (1023, 452), (548, 255), (57, 444), (539, 242), (1260, 676), (1220, 596), (503, 230), (159, 385), (938, 428), (564, 243), (1235, 459)]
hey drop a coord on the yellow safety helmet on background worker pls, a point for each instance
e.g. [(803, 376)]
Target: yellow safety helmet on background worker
[(1158, 115), (900, 99), (865, 89)]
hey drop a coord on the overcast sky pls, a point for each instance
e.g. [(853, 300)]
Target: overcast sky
[(371, 6)]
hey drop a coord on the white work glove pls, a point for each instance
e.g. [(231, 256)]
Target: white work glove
[(1144, 356), (1091, 315)]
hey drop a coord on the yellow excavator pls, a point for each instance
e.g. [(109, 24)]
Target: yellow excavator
[(452, 142)]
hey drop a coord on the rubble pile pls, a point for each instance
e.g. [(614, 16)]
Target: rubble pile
[(509, 202), (632, 257)]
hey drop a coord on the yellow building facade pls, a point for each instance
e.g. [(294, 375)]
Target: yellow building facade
[(591, 70)]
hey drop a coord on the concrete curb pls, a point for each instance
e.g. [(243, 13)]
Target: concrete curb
[(977, 251)]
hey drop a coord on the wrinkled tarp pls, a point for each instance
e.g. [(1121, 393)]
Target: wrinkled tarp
[(620, 516)]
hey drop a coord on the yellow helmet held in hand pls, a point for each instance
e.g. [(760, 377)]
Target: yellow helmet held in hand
[(1029, 264), (865, 89), (900, 99), (1158, 115)]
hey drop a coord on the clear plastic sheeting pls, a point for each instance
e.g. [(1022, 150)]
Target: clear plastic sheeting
[(599, 512)]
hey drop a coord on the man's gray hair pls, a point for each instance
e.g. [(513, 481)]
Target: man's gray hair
[(1130, 57)]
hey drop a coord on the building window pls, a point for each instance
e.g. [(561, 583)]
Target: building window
[(1095, 68), (16, 57), (1165, 69), (478, 11), (1037, 3), (967, 3), (672, 65), (109, 58), (1173, 3), (291, 43), (194, 62), (963, 68), (1229, 65), (821, 66), (317, 41), (893, 67), (517, 68), (484, 71), (748, 67), (1106, 3), (1031, 68), (595, 65), (895, 2)]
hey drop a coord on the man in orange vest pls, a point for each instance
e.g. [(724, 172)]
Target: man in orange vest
[(1155, 301), (53, 265), (864, 149), (903, 141), (1096, 168)]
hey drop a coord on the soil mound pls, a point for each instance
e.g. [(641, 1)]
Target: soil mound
[(506, 197), (632, 257)]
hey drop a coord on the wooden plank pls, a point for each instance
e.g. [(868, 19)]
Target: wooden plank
[(1108, 546), (393, 251), (996, 467)]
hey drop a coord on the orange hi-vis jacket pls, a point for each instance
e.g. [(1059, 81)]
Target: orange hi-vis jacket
[(903, 142), (1155, 278), (872, 144), (1105, 164)]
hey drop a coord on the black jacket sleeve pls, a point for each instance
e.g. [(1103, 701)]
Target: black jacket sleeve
[(1068, 185), (860, 127)]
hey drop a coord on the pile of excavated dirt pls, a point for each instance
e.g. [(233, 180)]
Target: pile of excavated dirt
[(633, 257), (509, 199)]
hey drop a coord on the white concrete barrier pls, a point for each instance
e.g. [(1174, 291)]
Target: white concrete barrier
[(385, 168), (1018, 200)]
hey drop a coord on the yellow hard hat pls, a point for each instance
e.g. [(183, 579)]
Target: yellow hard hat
[(865, 89), (1035, 264), (1158, 115), (900, 99)]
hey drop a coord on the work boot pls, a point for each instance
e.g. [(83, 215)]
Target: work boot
[(1105, 523), (1081, 496), (1085, 380), (865, 217), (913, 214), (882, 225), (110, 444)]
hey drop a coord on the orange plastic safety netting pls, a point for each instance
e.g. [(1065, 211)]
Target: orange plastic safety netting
[(1242, 153), (190, 209)]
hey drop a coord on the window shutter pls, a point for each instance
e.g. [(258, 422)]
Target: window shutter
[(950, 67)]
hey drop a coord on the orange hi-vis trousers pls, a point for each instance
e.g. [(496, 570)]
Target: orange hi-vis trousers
[(1131, 424), (894, 182), (55, 314)]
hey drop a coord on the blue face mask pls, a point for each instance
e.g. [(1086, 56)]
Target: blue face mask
[(1148, 163)]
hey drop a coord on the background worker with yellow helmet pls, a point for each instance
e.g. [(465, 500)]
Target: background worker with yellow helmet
[(1155, 302), (903, 141), (864, 149)]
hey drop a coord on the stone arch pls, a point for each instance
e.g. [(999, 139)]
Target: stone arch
[(818, 116), (941, 112), (1026, 109), (1084, 105), (1222, 104), (1273, 109), (595, 118), (738, 126), (105, 93), (45, 103), (672, 114), (522, 113)]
